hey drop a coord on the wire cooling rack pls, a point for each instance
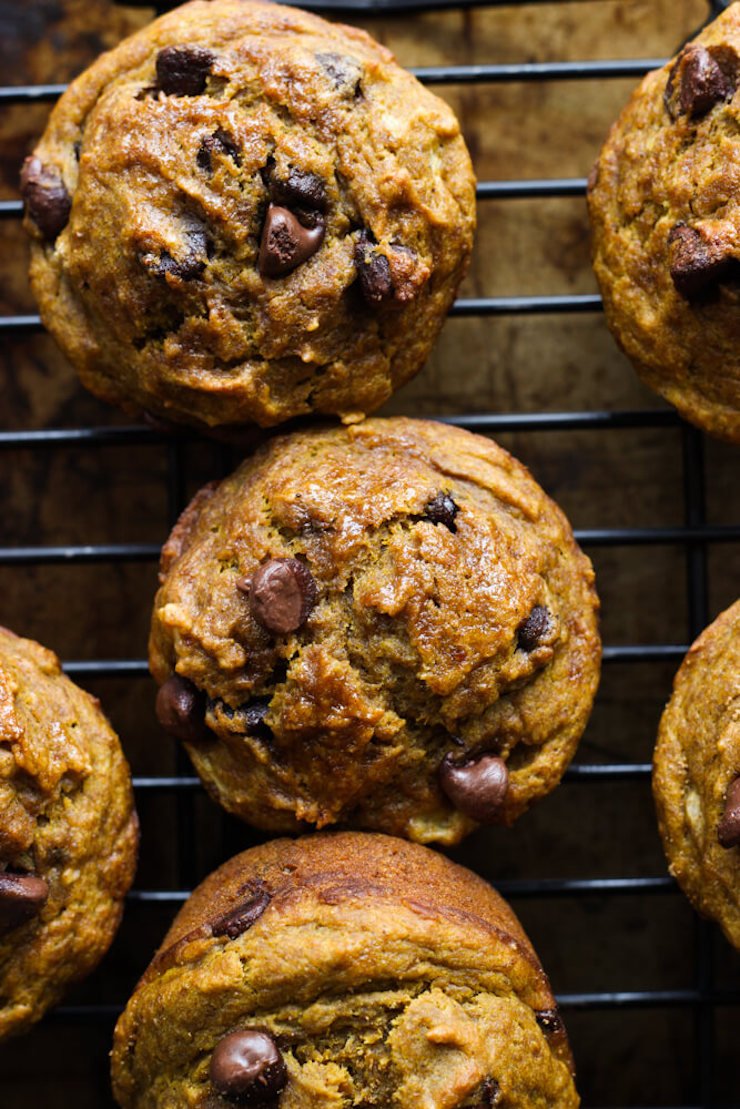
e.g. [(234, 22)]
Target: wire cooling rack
[(707, 1000)]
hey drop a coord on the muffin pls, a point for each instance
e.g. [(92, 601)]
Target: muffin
[(696, 774), (663, 199), (68, 832), (244, 214), (343, 970), (388, 626)]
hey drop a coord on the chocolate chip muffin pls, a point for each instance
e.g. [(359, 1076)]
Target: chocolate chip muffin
[(68, 832), (696, 774), (244, 214), (663, 199), (345, 970), (388, 626)]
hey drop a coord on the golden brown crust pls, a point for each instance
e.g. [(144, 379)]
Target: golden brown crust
[(357, 935), (66, 817), (697, 757), (666, 230), (413, 650), (153, 288)]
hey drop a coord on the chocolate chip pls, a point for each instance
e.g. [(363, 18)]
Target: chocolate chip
[(48, 203), (700, 78), (442, 510), (249, 717), (697, 265), (286, 243), (728, 832), (180, 709), (303, 191), (247, 1067), (490, 1095), (220, 142), (238, 920), (478, 787), (344, 72), (373, 271), (549, 1021), (192, 261), (282, 593), (530, 631), (183, 70), (21, 897)]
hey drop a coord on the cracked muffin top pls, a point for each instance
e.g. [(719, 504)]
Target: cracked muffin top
[(68, 832), (696, 774), (244, 214), (663, 200), (344, 970), (388, 626)]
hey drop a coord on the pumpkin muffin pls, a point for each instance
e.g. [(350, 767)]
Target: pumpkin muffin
[(696, 774), (388, 626), (244, 214), (663, 199), (345, 970), (68, 832)]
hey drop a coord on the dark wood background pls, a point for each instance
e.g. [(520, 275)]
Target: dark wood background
[(626, 1056)]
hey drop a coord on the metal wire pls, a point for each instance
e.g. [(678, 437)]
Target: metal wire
[(693, 537)]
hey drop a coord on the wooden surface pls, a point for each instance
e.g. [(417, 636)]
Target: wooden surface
[(627, 478)]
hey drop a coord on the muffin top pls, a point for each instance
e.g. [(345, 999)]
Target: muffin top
[(663, 200), (377, 973), (388, 625), (696, 779), (68, 832), (244, 214)]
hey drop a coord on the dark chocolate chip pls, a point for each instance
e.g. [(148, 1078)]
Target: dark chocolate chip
[(697, 265), (48, 203), (373, 271), (183, 70), (490, 1095), (282, 593), (700, 78), (550, 1021), (344, 72), (286, 243), (728, 832), (180, 709), (478, 787), (302, 192), (220, 142), (21, 898), (240, 919), (530, 631), (247, 1067), (442, 510), (249, 717), (190, 264)]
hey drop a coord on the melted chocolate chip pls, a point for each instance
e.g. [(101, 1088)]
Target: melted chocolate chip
[(282, 593), (286, 243), (303, 192), (220, 142), (343, 71), (373, 271), (47, 201), (240, 919), (442, 510), (180, 709), (21, 898), (549, 1021), (530, 631), (728, 831), (183, 70), (250, 717), (697, 265), (490, 1095), (191, 262), (247, 1067), (478, 787), (700, 78)]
